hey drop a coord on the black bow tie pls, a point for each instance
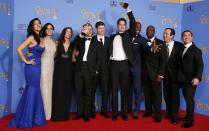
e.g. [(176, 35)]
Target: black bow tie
[(101, 40), (88, 39), (119, 33), (148, 40)]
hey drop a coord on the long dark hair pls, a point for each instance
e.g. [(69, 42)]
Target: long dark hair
[(31, 31), (43, 30), (61, 39)]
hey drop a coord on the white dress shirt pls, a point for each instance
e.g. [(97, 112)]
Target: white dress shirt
[(118, 51), (170, 46), (186, 48), (87, 43), (152, 39), (101, 37)]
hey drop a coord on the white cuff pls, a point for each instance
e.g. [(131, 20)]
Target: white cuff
[(128, 10)]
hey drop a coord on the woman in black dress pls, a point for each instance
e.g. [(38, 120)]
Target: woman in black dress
[(63, 77)]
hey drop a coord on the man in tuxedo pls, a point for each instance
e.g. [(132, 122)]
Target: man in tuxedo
[(136, 86), (170, 82), (102, 78), (153, 72), (87, 65), (190, 74), (122, 56)]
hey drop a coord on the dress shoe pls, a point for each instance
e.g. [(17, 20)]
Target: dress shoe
[(106, 115), (114, 117), (135, 115), (77, 117), (93, 116), (158, 119), (86, 119), (125, 117), (146, 114), (187, 125), (175, 122)]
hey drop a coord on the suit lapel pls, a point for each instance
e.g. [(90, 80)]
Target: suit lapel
[(173, 50), (188, 51)]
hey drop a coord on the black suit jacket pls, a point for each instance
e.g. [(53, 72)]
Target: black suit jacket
[(154, 63), (93, 56), (191, 65), (173, 62), (105, 56), (127, 38)]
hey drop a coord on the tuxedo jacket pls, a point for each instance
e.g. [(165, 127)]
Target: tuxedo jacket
[(93, 56), (127, 38), (154, 63), (191, 64), (173, 62)]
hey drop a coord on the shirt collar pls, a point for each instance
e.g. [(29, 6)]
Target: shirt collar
[(170, 43), (188, 45), (152, 39)]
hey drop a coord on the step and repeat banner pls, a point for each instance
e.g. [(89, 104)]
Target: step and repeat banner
[(15, 16)]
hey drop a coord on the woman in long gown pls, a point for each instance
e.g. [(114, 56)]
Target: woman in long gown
[(30, 111), (63, 77), (47, 67)]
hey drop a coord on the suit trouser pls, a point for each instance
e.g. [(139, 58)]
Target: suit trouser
[(153, 96), (120, 74), (102, 79), (83, 81), (189, 93), (172, 98), (136, 92)]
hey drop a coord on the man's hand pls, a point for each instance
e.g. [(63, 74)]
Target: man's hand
[(155, 47), (159, 78), (124, 5), (195, 81)]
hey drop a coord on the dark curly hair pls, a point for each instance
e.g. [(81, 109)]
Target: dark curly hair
[(61, 39), (43, 30), (31, 31)]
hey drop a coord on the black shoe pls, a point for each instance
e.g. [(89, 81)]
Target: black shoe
[(175, 122), (77, 117), (146, 114), (93, 116), (158, 119), (168, 116), (135, 115), (114, 117), (106, 115), (86, 119), (125, 117), (187, 125)]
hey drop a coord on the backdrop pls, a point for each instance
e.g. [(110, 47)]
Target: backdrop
[(16, 14)]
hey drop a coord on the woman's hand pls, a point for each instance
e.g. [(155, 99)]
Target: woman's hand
[(31, 62)]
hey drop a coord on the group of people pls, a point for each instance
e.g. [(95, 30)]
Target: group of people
[(126, 62)]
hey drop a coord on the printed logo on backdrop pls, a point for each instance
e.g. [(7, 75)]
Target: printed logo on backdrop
[(90, 15), (22, 26), (201, 105), (4, 42), (113, 3), (190, 8), (69, 1), (5, 7), (4, 76), (152, 7), (46, 12), (204, 48), (4, 108), (21, 90), (169, 21), (204, 19), (205, 78)]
